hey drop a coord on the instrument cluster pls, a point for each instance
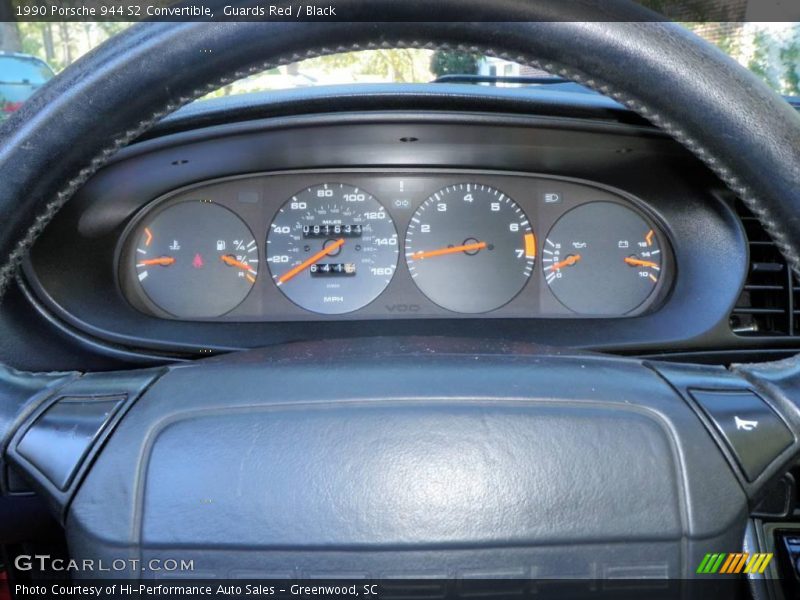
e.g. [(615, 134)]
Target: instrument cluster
[(387, 244)]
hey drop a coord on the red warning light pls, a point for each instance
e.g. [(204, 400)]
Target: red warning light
[(198, 261)]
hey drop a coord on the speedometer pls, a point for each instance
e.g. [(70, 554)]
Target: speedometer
[(332, 248)]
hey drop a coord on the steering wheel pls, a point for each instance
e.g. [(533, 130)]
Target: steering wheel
[(405, 457)]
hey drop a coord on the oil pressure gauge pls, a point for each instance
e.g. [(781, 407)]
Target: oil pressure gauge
[(602, 258)]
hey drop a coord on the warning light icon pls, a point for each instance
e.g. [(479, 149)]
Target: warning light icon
[(197, 263)]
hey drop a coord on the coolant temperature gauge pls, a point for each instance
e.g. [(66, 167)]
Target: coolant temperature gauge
[(602, 258)]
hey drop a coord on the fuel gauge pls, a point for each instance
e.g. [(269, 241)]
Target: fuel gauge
[(602, 258)]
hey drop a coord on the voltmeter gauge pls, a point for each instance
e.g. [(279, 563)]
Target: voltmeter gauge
[(602, 258)]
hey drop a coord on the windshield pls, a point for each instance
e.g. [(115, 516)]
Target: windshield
[(770, 50)]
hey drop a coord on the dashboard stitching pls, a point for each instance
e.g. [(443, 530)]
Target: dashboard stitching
[(9, 269)]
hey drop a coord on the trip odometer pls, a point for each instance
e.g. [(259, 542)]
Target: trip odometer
[(470, 248), (332, 248)]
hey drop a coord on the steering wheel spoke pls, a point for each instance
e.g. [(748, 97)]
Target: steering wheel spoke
[(63, 425), (750, 412)]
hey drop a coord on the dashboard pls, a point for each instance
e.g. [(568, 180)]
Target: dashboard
[(397, 244), (243, 229)]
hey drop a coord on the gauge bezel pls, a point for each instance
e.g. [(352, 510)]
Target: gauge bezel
[(266, 303), (529, 264), (133, 290), (666, 266), (273, 275)]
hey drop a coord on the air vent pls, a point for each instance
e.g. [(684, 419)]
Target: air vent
[(795, 300), (766, 306)]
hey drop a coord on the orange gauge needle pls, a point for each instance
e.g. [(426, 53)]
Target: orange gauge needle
[(450, 250), (636, 262), (567, 262), (232, 262), (310, 261), (164, 261)]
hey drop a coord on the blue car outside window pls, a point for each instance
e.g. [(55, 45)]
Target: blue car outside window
[(22, 70)]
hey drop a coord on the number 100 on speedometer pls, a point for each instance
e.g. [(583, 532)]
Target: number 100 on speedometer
[(332, 248)]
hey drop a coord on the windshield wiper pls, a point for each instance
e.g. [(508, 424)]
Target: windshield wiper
[(464, 78)]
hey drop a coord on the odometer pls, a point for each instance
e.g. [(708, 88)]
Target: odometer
[(332, 248), (470, 248)]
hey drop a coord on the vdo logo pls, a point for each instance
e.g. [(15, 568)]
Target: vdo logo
[(403, 308)]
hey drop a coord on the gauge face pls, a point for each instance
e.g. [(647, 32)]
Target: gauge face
[(332, 248), (602, 258), (195, 259), (470, 248)]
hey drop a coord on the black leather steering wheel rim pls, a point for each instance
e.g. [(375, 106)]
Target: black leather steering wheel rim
[(728, 118)]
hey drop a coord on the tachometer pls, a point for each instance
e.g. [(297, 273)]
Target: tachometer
[(332, 248), (602, 258), (470, 248), (195, 259)]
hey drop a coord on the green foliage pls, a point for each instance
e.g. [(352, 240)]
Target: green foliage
[(333, 62), (773, 57), (447, 62), (396, 64), (790, 58), (759, 62), (730, 44)]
